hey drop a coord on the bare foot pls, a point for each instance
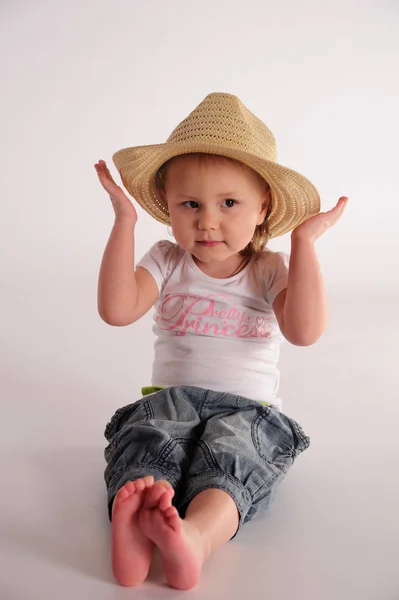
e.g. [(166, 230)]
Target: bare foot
[(131, 549), (180, 543)]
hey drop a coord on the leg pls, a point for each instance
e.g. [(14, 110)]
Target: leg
[(131, 549), (135, 442), (214, 513), (211, 520)]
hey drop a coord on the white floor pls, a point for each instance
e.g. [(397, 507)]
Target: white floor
[(333, 532)]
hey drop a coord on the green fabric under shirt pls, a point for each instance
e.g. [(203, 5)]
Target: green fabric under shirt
[(150, 389)]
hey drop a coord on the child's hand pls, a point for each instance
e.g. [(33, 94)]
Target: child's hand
[(314, 227), (121, 203)]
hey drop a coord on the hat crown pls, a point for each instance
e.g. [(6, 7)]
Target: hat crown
[(223, 119), (221, 125)]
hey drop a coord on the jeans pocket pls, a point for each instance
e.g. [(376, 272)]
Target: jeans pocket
[(301, 440), (116, 428), (275, 438)]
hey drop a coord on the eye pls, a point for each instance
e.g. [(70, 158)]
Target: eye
[(231, 202), (190, 202)]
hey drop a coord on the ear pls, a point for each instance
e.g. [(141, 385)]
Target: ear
[(267, 200), (162, 193)]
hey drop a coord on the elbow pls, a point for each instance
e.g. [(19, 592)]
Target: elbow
[(303, 340), (114, 319), (304, 337)]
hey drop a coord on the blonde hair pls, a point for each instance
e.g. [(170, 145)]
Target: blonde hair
[(261, 233)]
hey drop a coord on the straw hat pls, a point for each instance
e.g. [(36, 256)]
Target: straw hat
[(222, 125)]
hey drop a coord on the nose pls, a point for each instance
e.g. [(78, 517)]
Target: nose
[(207, 220)]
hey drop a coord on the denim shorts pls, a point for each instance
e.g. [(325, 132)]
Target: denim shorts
[(198, 439)]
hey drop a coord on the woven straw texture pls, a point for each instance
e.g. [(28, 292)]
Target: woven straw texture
[(221, 125)]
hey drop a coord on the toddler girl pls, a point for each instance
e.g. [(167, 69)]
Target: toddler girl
[(202, 452)]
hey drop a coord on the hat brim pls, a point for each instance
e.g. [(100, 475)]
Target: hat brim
[(294, 197)]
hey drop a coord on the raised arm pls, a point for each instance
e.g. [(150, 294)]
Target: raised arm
[(301, 309), (124, 294)]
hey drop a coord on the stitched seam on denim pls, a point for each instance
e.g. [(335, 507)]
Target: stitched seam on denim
[(300, 434), (165, 452), (255, 440), (173, 442), (208, 454), (236, 482), (118, 413), (109, 450), (185, 441), (240, 404), (219, 473), (157, 467), (207, 450), (115, 444), (140, 467), (148, 409), (204, 404), (219, 396), (113, 478)]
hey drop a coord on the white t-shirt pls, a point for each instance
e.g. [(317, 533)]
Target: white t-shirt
[(218, 334)]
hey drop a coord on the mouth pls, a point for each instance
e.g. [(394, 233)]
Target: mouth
[(209, 243)]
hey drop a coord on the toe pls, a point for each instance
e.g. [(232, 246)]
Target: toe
[(166, 486), (129, 488), (123, 493), (153, 495), (139, 485), (174, 522), (171, 512), (148, 481), (165, 501)]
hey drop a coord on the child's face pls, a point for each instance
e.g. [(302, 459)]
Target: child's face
[(214, 199)]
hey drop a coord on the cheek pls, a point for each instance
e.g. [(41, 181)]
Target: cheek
[(181, 226), (244, 223)]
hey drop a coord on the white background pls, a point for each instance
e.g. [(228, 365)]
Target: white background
[(83, 79)]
